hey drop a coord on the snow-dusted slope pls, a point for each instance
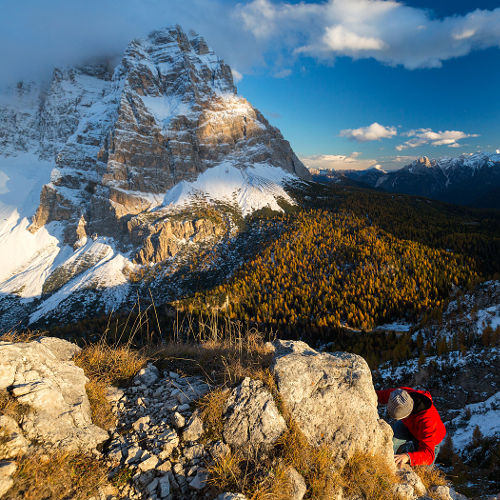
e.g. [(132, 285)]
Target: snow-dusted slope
[(251, 188), (464, 382), (485, 415), (96, 162)]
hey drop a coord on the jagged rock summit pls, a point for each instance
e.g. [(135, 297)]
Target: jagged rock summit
[(95, 163)]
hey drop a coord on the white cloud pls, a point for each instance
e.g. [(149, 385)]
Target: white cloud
[(339, 39), (283, 73), (424, 136), (387, 30), (237, 76), (246, 34), (354, 161), (41, 35), (373, 132), (338, 162)]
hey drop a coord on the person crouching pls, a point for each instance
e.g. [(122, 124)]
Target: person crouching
[(418, 429)]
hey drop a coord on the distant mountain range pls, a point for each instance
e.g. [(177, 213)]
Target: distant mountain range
[(470, 179)]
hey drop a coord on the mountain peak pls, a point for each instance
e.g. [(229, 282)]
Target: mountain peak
[(423, 161), (115, 157), (378, 168), (185, 65)]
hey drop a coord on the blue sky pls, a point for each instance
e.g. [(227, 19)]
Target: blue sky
[(316, 101), (350, 83)]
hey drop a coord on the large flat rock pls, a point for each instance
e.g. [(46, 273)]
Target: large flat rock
[(332, 399), (41, 375)]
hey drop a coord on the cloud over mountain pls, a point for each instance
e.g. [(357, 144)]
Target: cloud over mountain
[(338, 162), (41, 35), (424, 136), (373, 132), (387, 30)]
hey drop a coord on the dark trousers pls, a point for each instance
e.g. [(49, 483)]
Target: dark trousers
[(403, 440)]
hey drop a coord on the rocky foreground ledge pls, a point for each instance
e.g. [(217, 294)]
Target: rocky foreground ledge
[(161, 438)]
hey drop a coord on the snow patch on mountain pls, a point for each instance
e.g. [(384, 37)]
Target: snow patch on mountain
[(107, 274), (485, 414), (164, 108), (22, 178), (250, 188)]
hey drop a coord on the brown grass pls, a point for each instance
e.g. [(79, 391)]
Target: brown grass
[(11, 407), (122, 477), (58, 475), (15, 337), (431, 476), (368, 476), (113, 365), (100, 407), (212, 408), (226, 473), (316, 464), (106, 365), (220, 362), (277, 486)]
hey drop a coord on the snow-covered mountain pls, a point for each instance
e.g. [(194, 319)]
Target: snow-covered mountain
[(470, 179), (101, 168)]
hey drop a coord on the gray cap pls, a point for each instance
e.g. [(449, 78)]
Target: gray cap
[(400, 404)]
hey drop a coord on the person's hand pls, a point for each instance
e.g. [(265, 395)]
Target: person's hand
[(401, 459)]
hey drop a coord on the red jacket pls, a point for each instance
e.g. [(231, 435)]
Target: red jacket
[(426, 426)]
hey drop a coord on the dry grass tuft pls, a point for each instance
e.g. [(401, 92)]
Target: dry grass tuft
[(226, 473), (122, 477), (431, 476), (368, 476), (295, 449), (321, 475), (212, 409), (220, 362), (11, 407), (277, 486), (316, 464), (57, 475), (15, 337), (100, 407), (113, 365), (106, 365)]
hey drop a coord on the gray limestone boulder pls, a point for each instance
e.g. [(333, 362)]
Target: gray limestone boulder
[(7, 470), (194, 427), (40, 374), (445, 493), (411, 485), (252, 421), (297, 484), (12, 441), (332, 399)]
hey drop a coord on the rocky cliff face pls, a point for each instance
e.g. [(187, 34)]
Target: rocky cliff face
[(168, 113), (107, 156)]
